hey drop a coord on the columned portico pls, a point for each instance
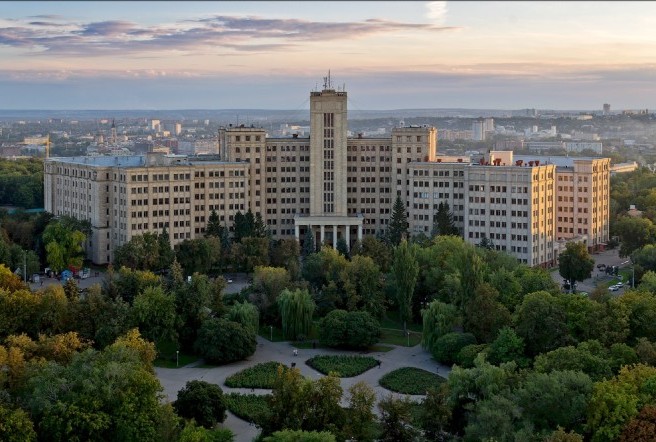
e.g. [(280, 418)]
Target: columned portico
[(334, 222)]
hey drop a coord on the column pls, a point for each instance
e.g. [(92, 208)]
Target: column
[(334, 237), (323, 236), (360, 232), (296, 232), (348, 237)]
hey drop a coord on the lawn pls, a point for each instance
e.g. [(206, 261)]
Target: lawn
[(410, 380), (397, 337), (266, 331), (344, 365), (249, 407), (259, 376), (391, 320), (167, 358)]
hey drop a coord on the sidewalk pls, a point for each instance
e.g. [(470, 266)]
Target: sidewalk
[(174, 379)]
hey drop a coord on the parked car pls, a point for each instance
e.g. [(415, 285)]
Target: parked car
[(613, 288), (619, 285)]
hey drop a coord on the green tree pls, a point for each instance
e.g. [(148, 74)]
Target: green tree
[(435, 415), (342, 248), (16, 425), (484, 316), (201, 401), (142, 252), (309, 246), (300, 436), (220, 341), (154, 313), (362, 284), (63, 246), (165, 253), (405, 270), (357, 330), (448, 346), (361, 418), (285, 253), (296, 310), (507, 347), (245, 314), (213, 227), (443, 221), (589, 357), (575, 263), (438, 319), (378, 251), (541, 322), (396, 420), (634, 233), (397, 229), (199, 255)]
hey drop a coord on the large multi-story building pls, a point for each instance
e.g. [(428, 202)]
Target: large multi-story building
[(335, 187)]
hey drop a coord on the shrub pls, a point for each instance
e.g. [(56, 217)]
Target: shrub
[(447, 347), (345, 366), (300, 436), (466, 355), (249, 407), (410, 380), (356, 330), (245, 314), (222, 341), (259, 376), (201, 401)]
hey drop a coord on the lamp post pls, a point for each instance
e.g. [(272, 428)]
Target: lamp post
[(408, 334), (271, 333), (177, 358)]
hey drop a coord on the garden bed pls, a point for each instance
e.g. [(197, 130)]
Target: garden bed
[(249, 407), (410, 380), (344, 365), (259, 376)]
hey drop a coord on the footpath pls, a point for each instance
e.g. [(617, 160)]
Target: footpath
[(174, 379)]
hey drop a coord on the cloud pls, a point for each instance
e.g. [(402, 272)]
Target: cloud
[(235, 33), (437, 12)]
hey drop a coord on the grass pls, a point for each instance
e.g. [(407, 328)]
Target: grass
[(249, 407), (410, 380), (266, 332), (258, 376), (391, 320), (167, 358), (397, 337), (344, 365)]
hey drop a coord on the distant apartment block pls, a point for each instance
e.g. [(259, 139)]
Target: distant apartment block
[(580, 146), (335, 186)]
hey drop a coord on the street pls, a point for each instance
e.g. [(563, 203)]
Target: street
[(609, 258)]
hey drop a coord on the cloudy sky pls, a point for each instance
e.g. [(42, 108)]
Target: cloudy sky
[(270, 55)]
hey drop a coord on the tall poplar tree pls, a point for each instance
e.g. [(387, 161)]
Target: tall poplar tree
[(405, 270), (398, 225)]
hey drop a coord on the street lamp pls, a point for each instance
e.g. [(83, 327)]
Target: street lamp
[(177, 358), (271, 334), (408, 334)]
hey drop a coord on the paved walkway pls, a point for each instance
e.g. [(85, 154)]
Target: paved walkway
[(174, 379)]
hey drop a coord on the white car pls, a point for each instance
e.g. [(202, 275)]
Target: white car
[(619, 285), (613, 288)]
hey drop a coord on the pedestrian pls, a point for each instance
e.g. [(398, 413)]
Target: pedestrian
[(379, 364), (42, 283), (293, 364), (295, 352)]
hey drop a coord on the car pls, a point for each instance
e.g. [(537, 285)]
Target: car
[(613, 288), (229, 281), (619, 285)]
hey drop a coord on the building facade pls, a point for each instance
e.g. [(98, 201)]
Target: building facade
[(334, 187)]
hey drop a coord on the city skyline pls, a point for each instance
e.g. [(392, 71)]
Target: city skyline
[(232, 55)]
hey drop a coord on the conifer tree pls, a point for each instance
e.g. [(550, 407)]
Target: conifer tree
[(398, 226)]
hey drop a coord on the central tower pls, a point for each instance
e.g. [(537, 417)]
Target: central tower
[(328, 131), (328, 169)]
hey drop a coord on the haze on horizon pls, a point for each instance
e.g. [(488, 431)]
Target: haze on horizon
[(269, 55)]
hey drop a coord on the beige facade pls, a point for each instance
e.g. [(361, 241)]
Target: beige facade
[(337, 188)]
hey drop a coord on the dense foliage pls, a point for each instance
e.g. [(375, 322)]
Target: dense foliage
[(201, 401), (262, 375), (220, 341), (410, 380), (356, 330)]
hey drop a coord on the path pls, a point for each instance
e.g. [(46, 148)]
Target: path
[(174, 379)]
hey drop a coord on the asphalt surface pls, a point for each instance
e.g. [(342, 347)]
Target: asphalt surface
[(174, 379), (609, 258)]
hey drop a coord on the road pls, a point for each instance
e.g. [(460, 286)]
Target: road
[(609, 258)]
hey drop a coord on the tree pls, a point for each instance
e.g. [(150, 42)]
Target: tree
[(575, 263), (199, 255), (63, 245), (438, 319), (634, 233), (486, 243), (285, 253), (250, 253), (220, 341), (309, 246), (245, 314), (357, 330), (342, 248), (507, 347), (541, 323), (397, 229), (435, 415), (360, 420), (447, 347), (405, 270), (16, 425), (641, 428), (201, 401), (213, 227), (142, 252), (268, 283), (154, 313), (376, 250), (300, 436), (588, 357), (165, 253), (443, 221), (396, 420), (296, 309), (484, 316), (362, 284)]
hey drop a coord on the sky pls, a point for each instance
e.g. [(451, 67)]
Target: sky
[(270, 55)]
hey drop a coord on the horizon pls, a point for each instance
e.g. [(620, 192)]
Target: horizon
[(256, 55)]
